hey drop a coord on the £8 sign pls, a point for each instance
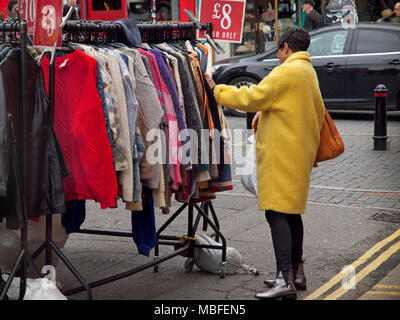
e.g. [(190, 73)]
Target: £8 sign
[(226, 10), (226, 17)]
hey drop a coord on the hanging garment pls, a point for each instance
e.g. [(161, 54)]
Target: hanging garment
[(41, 162), (131, 32), (75, 216), (166, 77), (209, 60), (193, 121), (143, 225), (170, 120), (204, 59), (11, 201), (5, 142), (102, 94), (147, 97), (113, 103), (223, 181), (128, 110), (80, 128), (125, 176)]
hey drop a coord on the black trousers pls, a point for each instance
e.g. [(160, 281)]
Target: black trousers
[(287, 237)]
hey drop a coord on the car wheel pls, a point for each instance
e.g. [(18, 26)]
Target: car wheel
[(239, 82)]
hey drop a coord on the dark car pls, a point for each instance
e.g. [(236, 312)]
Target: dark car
[(350, 63)]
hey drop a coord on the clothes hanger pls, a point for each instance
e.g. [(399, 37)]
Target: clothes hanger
[(52, 56)]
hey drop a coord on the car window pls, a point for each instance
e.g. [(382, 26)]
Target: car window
[(270, 55), (375, 41), (328, 43)]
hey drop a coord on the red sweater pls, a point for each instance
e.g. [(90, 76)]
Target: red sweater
[(80, 128), (3, 6)]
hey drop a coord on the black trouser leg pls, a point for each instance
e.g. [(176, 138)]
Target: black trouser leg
[(297, 232), (281, 239), (287, 236)]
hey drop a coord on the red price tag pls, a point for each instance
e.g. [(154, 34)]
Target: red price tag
[(47, 23), (27, 10), (226, 16)]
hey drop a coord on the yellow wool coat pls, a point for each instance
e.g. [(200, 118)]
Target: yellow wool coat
[(288, 134)]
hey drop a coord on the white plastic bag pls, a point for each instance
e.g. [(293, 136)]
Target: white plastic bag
[(249, 179), (36, 289), (209, 260)]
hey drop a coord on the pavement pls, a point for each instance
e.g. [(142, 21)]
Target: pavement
[(352, 223)]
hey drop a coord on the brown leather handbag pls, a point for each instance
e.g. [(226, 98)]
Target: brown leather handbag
[(331, 144)]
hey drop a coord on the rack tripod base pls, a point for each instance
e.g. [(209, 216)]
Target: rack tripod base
[(189, 240)]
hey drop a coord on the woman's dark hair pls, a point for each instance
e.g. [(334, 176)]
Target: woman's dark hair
[(297, 39)]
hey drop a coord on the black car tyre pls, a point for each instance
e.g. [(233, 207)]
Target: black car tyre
[(238, 82)]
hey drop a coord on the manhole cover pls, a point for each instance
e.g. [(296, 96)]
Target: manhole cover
[(388, 216)]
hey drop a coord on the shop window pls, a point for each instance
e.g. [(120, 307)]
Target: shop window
[(287, 15), (140, 10), (266, 25), (106, 10), (250, 28), (164, 10)]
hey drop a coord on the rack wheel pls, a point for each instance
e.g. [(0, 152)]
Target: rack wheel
[(189, 263), (223, 270), (155, 268)]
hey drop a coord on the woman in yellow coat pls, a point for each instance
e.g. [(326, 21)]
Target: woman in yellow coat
[(289, 117)]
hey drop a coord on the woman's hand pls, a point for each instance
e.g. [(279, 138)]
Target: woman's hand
[(254, 123)]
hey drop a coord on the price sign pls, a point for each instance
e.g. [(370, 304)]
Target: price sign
[(47, 23), (226, 16), (27, 10)]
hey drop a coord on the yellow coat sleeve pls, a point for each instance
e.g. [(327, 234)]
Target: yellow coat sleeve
[(250, 99)]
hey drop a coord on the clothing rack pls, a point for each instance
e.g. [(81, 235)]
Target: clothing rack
[(24, 258), (95, 31), (106, 32)]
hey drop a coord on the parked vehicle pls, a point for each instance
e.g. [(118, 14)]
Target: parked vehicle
[(349, 63)]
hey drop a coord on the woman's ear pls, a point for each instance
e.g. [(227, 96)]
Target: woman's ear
[(286, 47)]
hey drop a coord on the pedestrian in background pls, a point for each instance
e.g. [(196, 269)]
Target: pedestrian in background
[(371, 10), (396, 18), (75, 14), (313, 18), (289, 117)]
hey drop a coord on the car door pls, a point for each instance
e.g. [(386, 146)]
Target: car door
[(375, 59), (328, 52)]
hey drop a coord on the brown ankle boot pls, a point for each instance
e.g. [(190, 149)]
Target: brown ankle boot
[(300, 280)]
